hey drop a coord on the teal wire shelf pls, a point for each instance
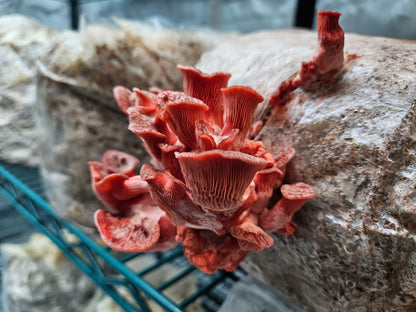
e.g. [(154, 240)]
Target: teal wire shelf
[(109, 269)]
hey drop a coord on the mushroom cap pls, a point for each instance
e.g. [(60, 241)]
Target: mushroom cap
[(210, 252), (218, 179), (249, 232), (327, 22), (297, 191), (124, 98), (170, 194), (137, 233), (120, 162), (181, 113), (239, 106), (146, 101), (206, 88)]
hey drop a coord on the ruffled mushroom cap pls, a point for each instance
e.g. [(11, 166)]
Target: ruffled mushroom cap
[(114, 182), (104, 182), (279, 217), (257, 149), (205, 135), (206, 88), (217, 179), (171, 195), (124, 98), (120, 162), (283, 159), (135, 222), (144, 228), (265, 181), (209, 138), (168, 159), (249, 235), (145, 101), (239, 106), (210, 252), (270, 178), (130, 234), (181, 113), (143, 126)]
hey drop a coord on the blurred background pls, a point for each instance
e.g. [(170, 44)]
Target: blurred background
[(388, 18)]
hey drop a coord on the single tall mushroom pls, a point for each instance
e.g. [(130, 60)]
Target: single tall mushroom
[(327, 60)]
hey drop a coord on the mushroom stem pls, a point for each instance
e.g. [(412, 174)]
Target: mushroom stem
[(280, 216), (326, 62)]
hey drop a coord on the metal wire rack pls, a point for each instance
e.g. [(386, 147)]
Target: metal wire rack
[(110, 270)]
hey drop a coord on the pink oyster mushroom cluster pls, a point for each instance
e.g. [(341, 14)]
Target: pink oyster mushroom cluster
[(208, 185)]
